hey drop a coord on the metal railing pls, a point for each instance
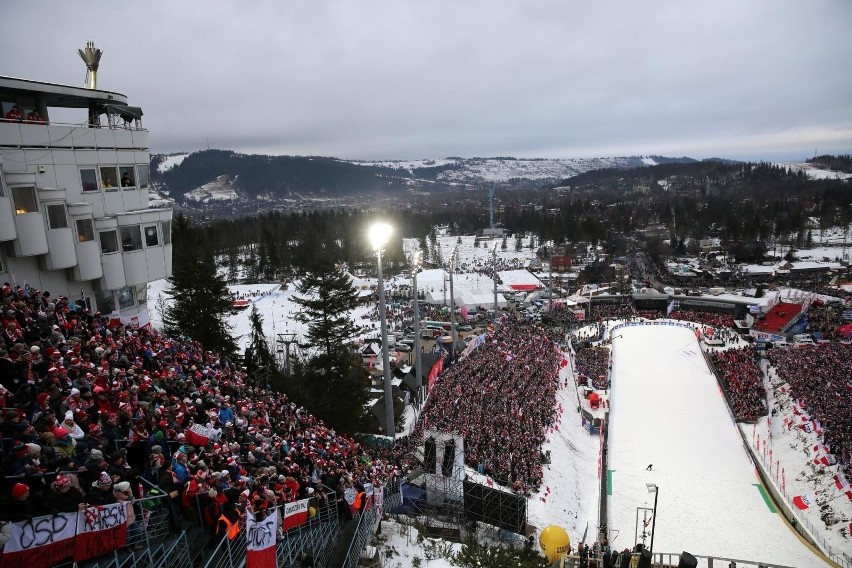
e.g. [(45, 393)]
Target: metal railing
[(166, 554), (669, 560), (313, 539), (369, 519), (776, 486)]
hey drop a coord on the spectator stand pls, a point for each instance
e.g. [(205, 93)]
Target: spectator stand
[(739, 374)]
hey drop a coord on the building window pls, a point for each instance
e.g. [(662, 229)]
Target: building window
[(105, 301), (126, 297), (131, 238), (142, 176), (56, 217), (167, 232), (127, 179), (89, 179), (109, 241), (109, 179), (151, 239), (25, 200), (86, 230)]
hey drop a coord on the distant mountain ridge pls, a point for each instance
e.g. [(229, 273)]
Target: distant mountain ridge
[(254, 176)]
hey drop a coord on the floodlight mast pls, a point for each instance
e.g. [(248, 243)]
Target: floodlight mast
[(453, 262), (494, 258), (652, 488), (418, 363), (379, 235)]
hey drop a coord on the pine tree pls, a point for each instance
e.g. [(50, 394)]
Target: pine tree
[(333, 383), (259, 344), (200, 299)]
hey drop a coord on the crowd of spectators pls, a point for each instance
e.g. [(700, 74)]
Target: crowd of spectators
[(743, 380), (501, 399), (592, 364), (819, 379), (704, 318), (604, 311), (91, 408), (825, 319)]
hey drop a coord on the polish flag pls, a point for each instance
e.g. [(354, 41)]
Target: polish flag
[(295, 514), (198, 435), (840, 481), (803, 502), (260, 541)]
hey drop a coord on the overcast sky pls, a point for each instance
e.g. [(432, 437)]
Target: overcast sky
[(404, 79)]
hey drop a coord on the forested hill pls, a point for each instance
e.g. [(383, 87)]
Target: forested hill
[(842, 163), (282, 176), (279, 175)]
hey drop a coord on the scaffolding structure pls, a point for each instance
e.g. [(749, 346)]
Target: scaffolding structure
[(453, 501)]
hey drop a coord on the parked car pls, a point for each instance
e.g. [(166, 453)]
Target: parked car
[(404, 347), (465, 327)]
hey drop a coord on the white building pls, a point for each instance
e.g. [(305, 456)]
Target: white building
[(74, 216)]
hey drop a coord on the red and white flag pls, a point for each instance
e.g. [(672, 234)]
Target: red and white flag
[(295, 514), (40, 542), (198, 435), (840, 481), (260, 541), (804, 502), (100, 530)]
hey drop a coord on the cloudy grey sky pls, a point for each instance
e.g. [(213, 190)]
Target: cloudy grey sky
[(433, 78)]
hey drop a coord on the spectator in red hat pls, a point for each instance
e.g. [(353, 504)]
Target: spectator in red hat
[(21, 505), (63, 496), (101, 491)]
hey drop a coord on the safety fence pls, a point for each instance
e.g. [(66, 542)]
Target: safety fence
[(368, 520), (97, 535), (660, 560), (775, 484), (311, 540)]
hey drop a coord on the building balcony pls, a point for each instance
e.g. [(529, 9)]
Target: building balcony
[(59, 135), (32, 235)]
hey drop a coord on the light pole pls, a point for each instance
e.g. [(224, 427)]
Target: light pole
[(453, 261), (652, 488), (494, 258), (418, 363), (379, 234)]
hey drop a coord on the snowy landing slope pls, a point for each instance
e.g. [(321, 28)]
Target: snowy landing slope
[(667, 410)]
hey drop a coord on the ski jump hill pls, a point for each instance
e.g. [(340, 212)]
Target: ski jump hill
[(668, 411)]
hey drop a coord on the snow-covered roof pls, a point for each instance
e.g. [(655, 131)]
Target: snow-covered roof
[(519, 280)]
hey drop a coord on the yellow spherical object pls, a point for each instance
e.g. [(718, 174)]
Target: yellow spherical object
[(554, 542), (311, 512)]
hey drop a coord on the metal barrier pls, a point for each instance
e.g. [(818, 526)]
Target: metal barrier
[(667, 560), (166, 554), (368, 521), (313, 539), (147, 543)]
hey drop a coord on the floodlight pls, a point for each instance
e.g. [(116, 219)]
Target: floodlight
[(379, 234)]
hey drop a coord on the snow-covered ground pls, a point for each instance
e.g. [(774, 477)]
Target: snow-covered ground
[(667, 410), (814, 172), (171, 161)]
